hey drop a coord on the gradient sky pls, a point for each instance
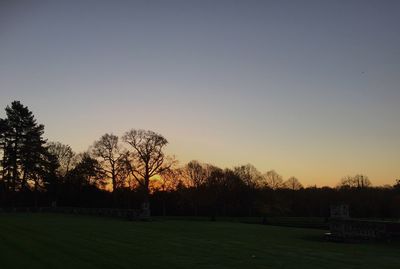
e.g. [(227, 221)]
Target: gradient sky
[(308, 88)]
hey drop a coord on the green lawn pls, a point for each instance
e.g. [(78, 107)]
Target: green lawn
[(67, 241)]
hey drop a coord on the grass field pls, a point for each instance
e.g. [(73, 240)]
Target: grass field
[(299, 222), (67, 241)]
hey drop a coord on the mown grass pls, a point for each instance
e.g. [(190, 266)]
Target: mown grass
[(299, 222), (68, 241)]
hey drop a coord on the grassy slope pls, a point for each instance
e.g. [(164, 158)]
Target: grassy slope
[(65, 241)]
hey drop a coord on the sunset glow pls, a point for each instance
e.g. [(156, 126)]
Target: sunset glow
[(308, 89)]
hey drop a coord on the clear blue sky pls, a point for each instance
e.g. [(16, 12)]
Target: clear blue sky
[(308, 88)]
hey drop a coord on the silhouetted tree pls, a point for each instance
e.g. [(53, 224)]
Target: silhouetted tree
[(147, 159), (216, 184), (64, 155), (293, 184), (51, 176), (196, 173), (33, 172), (252, 179), (358, 181), (85, 178), (87, 172), (24, 153), (236, 194), (168, 182), (273, 180), (112, 159), (249, 174), (196, 176)]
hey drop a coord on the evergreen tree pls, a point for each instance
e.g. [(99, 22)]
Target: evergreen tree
[(25, 159)]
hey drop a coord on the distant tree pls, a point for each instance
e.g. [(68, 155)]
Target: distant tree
[(43, 177), (358, 181), (83, 182), (216, 184), (397, 184), (346, 182), (273, 180), (252, 180), (249, 174), (51, 176), (147, 159), (64, 155), (293, 184), (362, 181), (216, 177), (87, 172), (112, 158), (236, 193), (168, 182), (169, 179), (195, 173)]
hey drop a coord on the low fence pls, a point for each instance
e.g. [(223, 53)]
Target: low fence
[(128, 214), (359, 229)]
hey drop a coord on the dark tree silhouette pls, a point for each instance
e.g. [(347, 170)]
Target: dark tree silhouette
[(147, 159), (112, 159), (252, 179), (87, 172), (33, 172), (249, 174), (24, 154), (168, 182), (358, 181), (293, 184), (216, 183), (273, 180), (196, 173), (64, 155)]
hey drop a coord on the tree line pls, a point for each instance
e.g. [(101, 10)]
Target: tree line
[(133, 171)]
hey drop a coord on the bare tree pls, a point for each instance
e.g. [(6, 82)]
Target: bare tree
[(168, 182), (169, 179), (64, 156), (112, 158), (195, 173), (146, 160), (273, 180), (249, 174), (293, 184), (346, 182), (358, 181), (251, 178), (362, 181)]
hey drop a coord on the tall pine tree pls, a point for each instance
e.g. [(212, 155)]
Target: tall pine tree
[(25, 160)]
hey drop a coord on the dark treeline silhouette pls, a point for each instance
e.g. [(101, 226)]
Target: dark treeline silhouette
[(134, 172)]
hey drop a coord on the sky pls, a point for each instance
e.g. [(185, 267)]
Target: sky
[(308, 88)]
